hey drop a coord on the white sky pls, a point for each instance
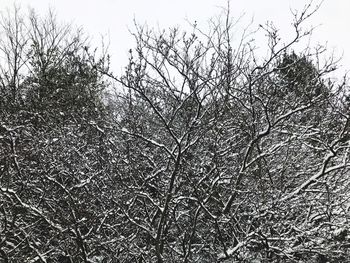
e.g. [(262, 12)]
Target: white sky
[(112, 18)]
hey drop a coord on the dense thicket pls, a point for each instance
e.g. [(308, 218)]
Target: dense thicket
[(203, 153)]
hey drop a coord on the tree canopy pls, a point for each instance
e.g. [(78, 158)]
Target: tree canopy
[(201, 151)]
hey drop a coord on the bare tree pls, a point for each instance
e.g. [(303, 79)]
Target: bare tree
[(13, 56), (228, 156), (52, 152)]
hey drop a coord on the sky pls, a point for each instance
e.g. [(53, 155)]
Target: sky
[(113, 19)]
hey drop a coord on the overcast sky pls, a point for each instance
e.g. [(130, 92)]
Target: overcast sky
[(112, 18)]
